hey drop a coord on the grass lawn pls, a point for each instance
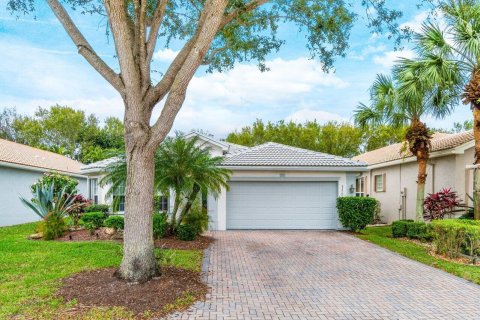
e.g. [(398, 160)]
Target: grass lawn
[(30, 270), (382, 236)]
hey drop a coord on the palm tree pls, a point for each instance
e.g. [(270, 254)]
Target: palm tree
[(181, 166), (451, 54), (187, 169), (404, 100)]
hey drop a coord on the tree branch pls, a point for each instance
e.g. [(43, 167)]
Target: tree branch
[(252, 5), (154, 28), (209, 22), (84, 48), (124, 44)]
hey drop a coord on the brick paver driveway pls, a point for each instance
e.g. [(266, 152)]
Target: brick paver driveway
[(324, 275)]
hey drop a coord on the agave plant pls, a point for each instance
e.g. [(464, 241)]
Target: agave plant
[(46, 201)]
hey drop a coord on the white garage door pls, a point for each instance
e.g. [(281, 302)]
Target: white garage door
[(281, 205)]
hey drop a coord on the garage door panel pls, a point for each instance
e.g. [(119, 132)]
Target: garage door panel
[(281, 205)]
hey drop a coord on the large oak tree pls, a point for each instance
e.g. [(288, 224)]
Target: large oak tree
[(216, 33)]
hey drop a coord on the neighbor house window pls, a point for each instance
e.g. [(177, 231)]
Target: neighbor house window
[(379, 183), (119, 198), (360, 188), (93, 190)]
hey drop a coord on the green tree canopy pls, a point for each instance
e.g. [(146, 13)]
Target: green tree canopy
[(338, 138), (66, 131)]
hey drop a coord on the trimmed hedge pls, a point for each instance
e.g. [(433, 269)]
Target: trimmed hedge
[(412, 230), (419, 230), (356, 213), (105, 208), (115, 222), (455, 236), (400, 228), (186, 232), (96, 219)]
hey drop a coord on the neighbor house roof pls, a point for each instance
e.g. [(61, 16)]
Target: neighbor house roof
[(97, 166), (440, 141), (273, 154), (19, 154)]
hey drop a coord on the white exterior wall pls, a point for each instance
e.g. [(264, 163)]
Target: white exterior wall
[(16, 182), (218, 214)]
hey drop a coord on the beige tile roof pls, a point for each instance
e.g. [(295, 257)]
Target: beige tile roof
[(276, 154), (16, 153), (440, 141)]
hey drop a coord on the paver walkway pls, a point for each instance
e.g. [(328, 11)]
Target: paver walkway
[(324, 275)]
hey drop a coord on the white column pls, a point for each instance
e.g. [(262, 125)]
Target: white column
[(222, 210)]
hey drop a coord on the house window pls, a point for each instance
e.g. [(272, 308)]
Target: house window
[(360, 187), (379, 183), (163, 204), (118, 198), (93, 190)]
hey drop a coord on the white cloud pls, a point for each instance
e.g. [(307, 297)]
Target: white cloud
[(165, 55), (286, 82), (416, 22), (389, 58), (368, 50), (218, 102), (304, 115)]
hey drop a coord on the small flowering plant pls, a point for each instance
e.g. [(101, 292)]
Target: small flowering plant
[(439, 204)]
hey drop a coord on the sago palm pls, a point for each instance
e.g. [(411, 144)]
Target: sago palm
[(181, 166), (404, 100), (451, 54)]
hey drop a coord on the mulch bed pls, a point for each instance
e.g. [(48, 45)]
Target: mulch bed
[(99, 288), (84, 235), (171, 242)]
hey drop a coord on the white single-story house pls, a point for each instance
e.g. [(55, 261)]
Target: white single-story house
[(273, 186), (392, 174), (20, 167)]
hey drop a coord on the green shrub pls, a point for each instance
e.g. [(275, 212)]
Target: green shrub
[(356, 213), (58, 180), (198, 219), (53, 226), (115, 222), (453, 236), (105, 208), (90, 227), (186, 232), (95, 218), (160, 225), (400, 227), (419, 230)]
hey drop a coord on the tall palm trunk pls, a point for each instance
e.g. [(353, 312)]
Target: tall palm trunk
[(419, 144), (476, 172), (188, 205), (471, 95)]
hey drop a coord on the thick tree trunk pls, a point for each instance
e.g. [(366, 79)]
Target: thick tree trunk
[(476, 172), (139, 263)]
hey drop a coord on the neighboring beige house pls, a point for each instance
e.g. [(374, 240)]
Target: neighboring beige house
[(20, 167), (392, 174)]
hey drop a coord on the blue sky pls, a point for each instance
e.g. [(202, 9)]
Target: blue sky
[(39, 66)]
